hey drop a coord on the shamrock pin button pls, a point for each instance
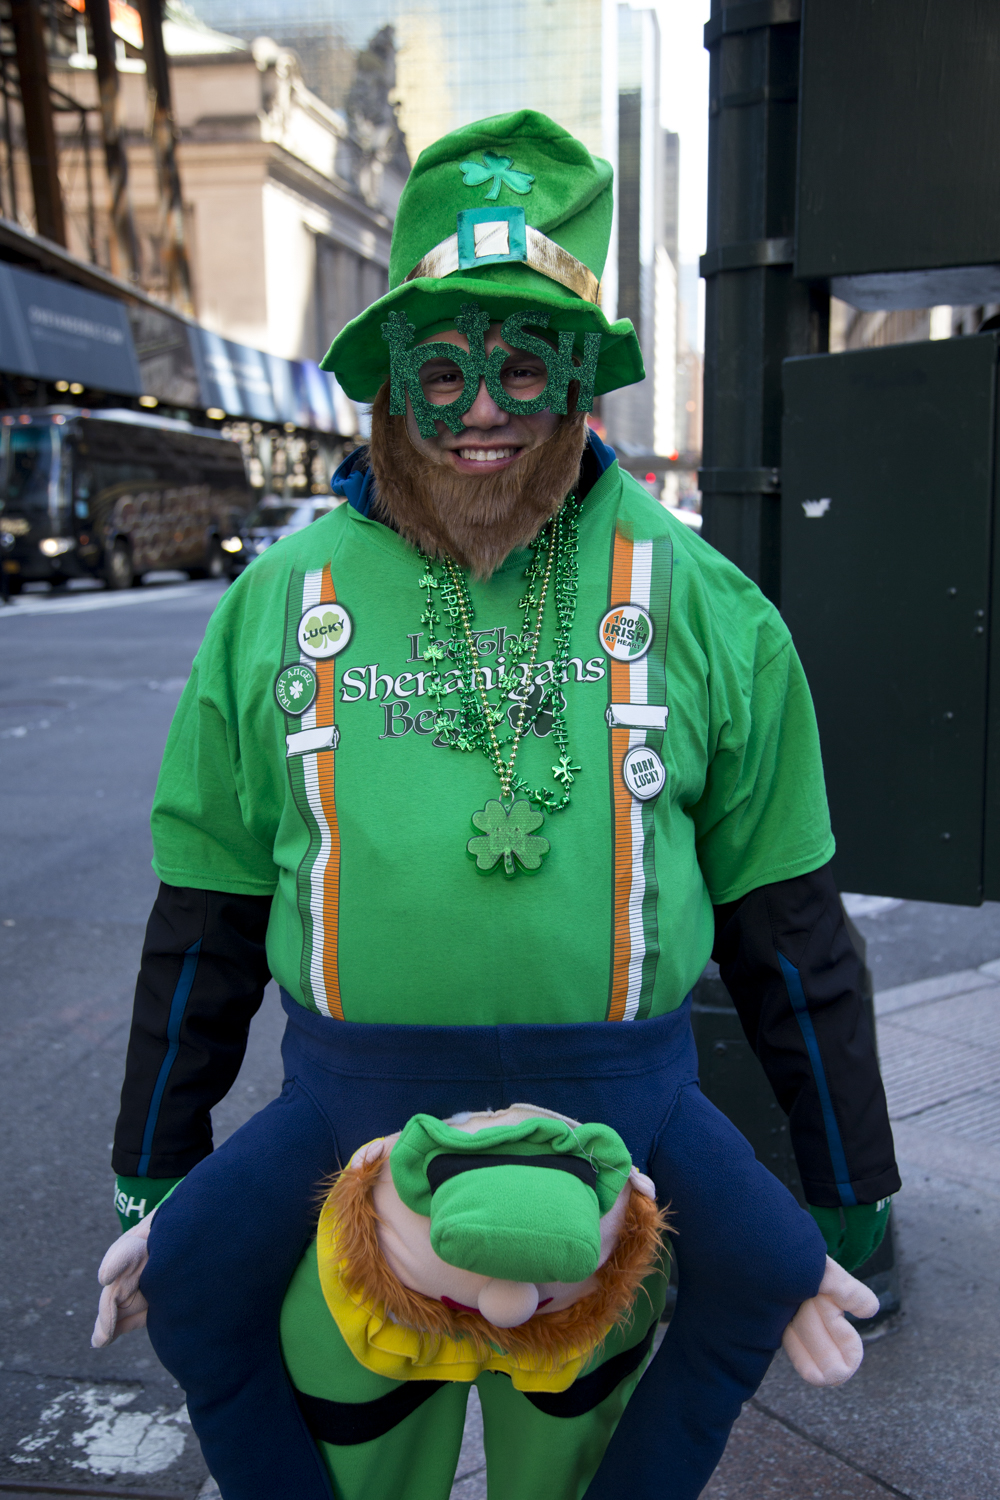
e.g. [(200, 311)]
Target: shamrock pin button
[(324, 630), (295, 688)]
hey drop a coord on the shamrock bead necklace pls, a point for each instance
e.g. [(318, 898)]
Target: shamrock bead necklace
[(508, 824)]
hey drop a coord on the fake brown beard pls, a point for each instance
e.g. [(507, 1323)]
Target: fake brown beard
[(477, 520), (546, 1337)]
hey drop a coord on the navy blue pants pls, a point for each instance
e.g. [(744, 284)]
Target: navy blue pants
[(223, 1248)]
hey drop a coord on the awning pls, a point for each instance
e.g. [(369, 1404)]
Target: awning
[(55, 330)]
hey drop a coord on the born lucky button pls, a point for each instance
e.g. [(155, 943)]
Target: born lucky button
[(324, 630), (643, 773), (295, 688)]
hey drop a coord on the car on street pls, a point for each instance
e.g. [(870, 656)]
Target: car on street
[(269, 521)]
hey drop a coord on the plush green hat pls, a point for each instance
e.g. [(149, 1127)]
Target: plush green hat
[(520, 1202), (510, 212)]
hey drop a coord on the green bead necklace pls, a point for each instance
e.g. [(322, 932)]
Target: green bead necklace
[(508, 825)]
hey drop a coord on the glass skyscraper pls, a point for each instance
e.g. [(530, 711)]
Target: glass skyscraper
[(593, 65), (456, 60)]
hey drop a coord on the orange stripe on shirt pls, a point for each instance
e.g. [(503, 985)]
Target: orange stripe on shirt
[(621, 590), (325, 770)]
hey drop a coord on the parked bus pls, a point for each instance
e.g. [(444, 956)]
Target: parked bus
[(113, 495)]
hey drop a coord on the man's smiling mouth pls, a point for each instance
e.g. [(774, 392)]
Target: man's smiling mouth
[(486, 455)]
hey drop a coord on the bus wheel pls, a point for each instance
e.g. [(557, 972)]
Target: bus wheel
[(118, 570)]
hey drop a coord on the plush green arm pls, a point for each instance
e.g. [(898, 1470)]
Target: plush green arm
[(135, 1197), (852, 1234)]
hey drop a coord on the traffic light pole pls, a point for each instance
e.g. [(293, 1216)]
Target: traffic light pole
[(756, 314)]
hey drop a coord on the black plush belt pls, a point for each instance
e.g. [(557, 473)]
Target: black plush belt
[(346, 1422)]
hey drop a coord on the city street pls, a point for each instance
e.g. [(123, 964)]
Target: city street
[(260, 260), (88, 683)]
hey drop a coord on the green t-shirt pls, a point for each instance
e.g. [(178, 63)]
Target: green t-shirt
[(358, 822)]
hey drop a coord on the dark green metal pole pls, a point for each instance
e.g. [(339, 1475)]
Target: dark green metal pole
[(756, 314)]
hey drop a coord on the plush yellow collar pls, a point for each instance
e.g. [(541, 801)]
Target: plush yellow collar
[(388, 1348)]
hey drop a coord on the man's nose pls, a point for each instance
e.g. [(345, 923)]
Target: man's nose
[(484, 412)]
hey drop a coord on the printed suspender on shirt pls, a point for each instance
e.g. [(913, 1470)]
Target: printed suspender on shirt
[(312, 778), (641, 574)]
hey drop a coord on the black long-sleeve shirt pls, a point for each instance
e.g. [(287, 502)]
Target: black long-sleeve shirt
[(783, 951), (796, 980), (201, 982)]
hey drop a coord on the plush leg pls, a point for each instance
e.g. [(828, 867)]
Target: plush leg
[(411, 1459), (552, 1454), (747, 1257), (222, 1251)]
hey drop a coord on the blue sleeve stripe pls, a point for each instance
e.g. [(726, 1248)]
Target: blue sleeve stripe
[(835, 1144), (176, 1016)]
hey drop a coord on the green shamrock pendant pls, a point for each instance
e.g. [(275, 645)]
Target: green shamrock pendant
[(508, 837)]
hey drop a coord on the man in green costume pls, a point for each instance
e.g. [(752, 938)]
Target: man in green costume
[(481, 768)]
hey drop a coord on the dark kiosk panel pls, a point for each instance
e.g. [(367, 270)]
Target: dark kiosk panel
[(887, 536), (899, 114)]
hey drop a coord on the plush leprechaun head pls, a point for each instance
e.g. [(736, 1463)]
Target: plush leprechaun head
[(521, 1220), (487, 352)]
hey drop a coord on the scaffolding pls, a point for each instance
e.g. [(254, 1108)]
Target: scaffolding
[(40, 155)]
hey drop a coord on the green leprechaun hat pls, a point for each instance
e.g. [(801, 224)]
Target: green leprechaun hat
[(509, 212), (519, 1202)]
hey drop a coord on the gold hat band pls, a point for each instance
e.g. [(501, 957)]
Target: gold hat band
[(543, 255)]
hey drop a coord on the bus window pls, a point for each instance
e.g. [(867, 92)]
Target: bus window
[(83, 486), (28, 468)]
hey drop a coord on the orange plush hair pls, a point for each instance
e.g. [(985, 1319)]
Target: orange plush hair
[(546, 1336)]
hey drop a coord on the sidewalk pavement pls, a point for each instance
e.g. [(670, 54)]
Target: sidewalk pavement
[(919, 1420)]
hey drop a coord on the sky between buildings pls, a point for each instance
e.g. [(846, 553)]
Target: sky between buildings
[(684, 108), (548, 43)]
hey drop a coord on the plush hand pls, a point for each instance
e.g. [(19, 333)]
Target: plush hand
[(852, 1234), (136, 1197), (824, 1348), (122, 1306)]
